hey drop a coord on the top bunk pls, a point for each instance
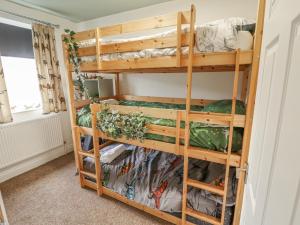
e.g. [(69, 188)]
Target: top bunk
[(166, 43)]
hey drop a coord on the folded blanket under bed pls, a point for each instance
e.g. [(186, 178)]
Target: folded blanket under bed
[(208, 136), (154, 179)]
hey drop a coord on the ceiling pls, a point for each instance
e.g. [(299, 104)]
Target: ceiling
[(81, 10)]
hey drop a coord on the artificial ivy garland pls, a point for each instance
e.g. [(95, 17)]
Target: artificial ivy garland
[(72, 47), (116, 125)]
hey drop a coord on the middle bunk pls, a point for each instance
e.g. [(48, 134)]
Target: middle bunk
[(164, 122)]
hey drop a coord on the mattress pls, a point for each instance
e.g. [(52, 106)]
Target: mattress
[(208, 136), (217, 36), (154, 179)]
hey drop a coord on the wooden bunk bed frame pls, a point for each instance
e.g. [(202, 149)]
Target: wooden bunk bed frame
[(237, 61)]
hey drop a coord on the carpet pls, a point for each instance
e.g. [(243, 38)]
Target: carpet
[(51, 195)]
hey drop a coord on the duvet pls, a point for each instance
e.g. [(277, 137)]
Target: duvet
[(154, 179)]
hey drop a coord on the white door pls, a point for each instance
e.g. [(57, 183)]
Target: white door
[(272, 194)]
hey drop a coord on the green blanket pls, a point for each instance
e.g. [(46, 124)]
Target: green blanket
[(202, 135)]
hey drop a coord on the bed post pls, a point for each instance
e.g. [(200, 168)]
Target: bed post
[(250, 109), (117, 85), (245, 79), (72, 108), (178, 47), (187, 111)]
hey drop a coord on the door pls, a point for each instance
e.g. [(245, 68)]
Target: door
[(272, 194)]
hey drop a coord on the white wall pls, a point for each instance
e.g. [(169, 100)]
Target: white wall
[(205, 85), (65, 121)]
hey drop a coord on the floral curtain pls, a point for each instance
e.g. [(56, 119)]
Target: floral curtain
[(43, 38), (5, 113)]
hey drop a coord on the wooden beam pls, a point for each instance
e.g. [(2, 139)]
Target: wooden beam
[(143, 24), (201, 102), (250, 108)]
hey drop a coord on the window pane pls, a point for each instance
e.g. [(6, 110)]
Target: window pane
[(21, 83)]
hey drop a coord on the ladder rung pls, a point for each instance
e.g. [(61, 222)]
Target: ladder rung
[(88, 154), (206, 154), (92, 175), (203, 216), (204, 186)]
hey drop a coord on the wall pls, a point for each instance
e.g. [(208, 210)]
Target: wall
[(209, 85), (39, 158)]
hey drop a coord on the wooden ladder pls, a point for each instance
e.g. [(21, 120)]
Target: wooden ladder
[(221, 191), (93, 153)]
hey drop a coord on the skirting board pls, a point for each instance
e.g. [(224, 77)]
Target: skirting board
[(33, 162)]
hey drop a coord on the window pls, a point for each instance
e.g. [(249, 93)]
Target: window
[(19, 68), (21, 83)]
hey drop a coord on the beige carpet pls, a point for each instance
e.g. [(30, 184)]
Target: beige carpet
[(51, 195)]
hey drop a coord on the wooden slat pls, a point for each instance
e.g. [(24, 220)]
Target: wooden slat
[(218, 118), (152, 144), (87, 153), (213, 156), (207, 60), (142, 24), (203, 217), (86, 131), (161, 130), (201, 102), (160, 214), (205, 117), (131, 46), (87, 51), (91, 175), (81, 103), (205, 186), (90, 184), (211, 119), (151, 112), (85, 35)]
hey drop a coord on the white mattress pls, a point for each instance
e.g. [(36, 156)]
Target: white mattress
[(217, 36)]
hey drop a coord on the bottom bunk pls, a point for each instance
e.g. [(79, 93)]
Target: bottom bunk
[(153, 179)]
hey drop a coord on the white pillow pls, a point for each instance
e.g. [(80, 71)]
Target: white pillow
[(109, 153), (244, 40)]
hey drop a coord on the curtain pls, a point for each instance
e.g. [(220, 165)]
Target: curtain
[(5, 113), (49, 77)]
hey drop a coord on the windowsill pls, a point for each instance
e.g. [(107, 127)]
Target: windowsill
[(28, 116)]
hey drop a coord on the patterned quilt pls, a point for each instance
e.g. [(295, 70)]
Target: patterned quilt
[(154, 178)]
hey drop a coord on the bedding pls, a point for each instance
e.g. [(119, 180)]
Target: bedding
[(208, 136), (154, 179), (217, 36)]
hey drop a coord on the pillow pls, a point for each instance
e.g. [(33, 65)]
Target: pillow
[(111, 152)]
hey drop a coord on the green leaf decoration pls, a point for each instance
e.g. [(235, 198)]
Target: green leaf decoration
[(72, 47), (116, 125)]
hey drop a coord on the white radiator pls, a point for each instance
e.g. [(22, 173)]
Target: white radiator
[(21, 141)]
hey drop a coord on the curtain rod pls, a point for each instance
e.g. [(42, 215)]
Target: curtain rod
[(31, 19)]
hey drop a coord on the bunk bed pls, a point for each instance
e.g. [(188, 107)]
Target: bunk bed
[(172, 120)]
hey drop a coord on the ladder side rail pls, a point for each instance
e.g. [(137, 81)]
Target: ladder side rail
[(188, 108), (231, 128), (96, 147)]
